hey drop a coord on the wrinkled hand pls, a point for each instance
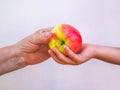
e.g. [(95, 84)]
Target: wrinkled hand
[(87, 52), (34, 48)]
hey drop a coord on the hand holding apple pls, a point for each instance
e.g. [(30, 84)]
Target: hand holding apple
[(65, 34)]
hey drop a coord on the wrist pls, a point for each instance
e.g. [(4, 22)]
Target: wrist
[(18, 55), (93, 50), (97, 51)]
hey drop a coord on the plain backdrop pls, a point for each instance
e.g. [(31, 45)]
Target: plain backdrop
[(98, 22)]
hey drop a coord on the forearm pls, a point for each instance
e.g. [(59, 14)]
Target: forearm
[(10, 60), (6, 53), (108, 54), (11, 65)]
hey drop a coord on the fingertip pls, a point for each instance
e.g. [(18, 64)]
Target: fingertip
[(50, 52), (65, 47), (48, 36), (55, 49), (69, 52)]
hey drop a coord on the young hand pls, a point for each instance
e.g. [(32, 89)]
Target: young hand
[(86, 53)]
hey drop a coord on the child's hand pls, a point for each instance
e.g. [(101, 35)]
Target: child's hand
[(87, 52)]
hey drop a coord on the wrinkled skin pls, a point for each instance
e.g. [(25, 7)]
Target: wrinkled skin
[(34, 48)]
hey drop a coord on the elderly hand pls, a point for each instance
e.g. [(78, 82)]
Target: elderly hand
[(34, 48)]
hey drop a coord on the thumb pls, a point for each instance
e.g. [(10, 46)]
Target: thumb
[(41, 36)]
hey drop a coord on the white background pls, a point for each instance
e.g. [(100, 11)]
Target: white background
[(98, 22)]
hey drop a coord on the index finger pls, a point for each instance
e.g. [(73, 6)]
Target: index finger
[(41, 36), (73, 56)]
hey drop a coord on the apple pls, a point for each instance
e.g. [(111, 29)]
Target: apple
[(65, 34)]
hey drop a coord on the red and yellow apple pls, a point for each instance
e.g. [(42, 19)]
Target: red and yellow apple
[(65, 34)]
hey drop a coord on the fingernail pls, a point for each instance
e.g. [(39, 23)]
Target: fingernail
[(54, 49), (49, 51), (64, 46), (47, 33)]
